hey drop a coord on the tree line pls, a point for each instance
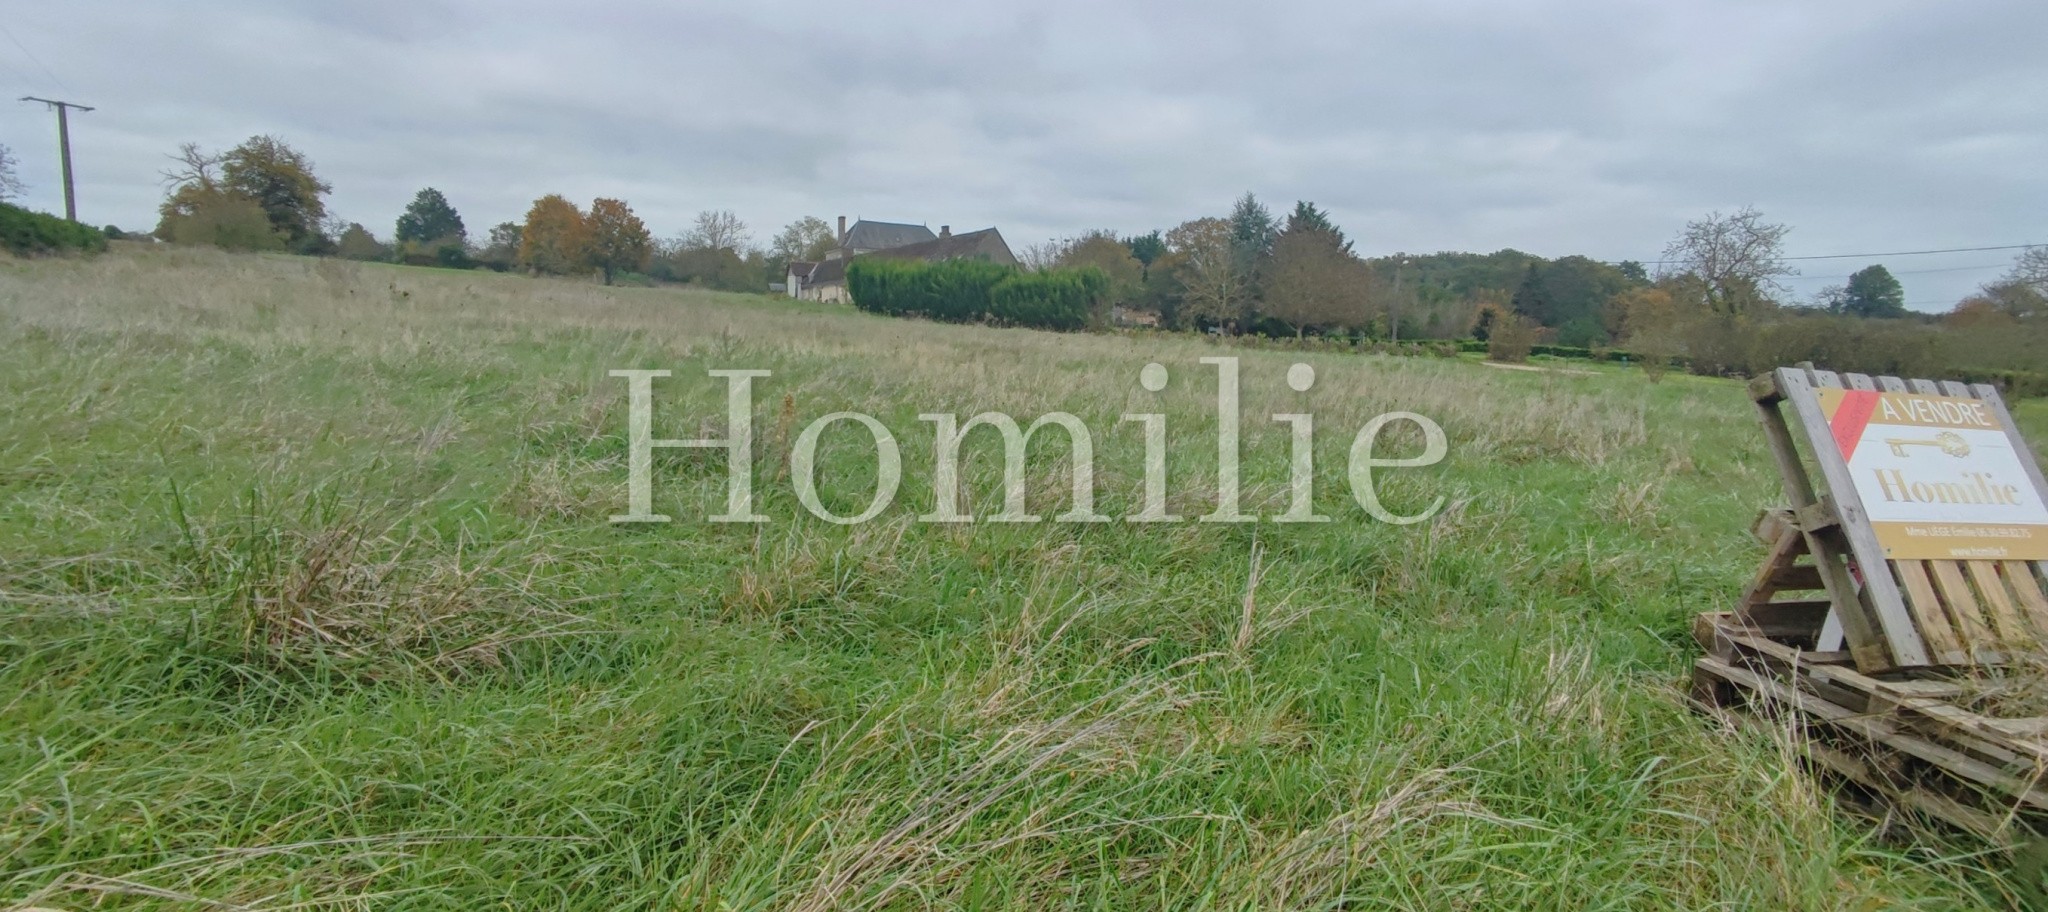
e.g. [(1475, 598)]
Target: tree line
[(1714, 303), (263, 195)]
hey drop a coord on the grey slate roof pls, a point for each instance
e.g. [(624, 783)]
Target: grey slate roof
[(987, 242), (866, 235), (826, 272)]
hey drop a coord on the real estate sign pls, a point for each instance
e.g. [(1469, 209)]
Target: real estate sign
[(1938, 476)]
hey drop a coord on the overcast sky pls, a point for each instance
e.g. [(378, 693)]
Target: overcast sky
[(1558, 128)]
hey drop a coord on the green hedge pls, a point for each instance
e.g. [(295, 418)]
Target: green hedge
[(955, 291), (967, 291), (2013, 383), (26, 233), (1057, 299)]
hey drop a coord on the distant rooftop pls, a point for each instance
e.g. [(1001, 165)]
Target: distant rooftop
[(866, 235), (965, 244)]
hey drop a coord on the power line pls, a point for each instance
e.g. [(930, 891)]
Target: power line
[(32, 56), (1854, 256), (1902, 272), (1865, 256), (18, 74)]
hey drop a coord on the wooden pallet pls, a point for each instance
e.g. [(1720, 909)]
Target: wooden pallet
[(1909, 742), (1871, 663)]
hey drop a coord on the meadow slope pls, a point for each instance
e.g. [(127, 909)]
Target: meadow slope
[(308, 599)]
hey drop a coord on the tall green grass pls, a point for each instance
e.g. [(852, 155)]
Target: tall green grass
[(308, 600)]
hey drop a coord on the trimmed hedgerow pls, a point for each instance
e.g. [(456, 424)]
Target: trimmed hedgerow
[(968, 291), (955, 291), (1058, 299)]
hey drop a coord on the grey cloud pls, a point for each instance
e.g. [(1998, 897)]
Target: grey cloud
[(1593, 126)]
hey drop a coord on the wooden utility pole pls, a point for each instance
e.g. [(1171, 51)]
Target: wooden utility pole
[(1394, 304), (64, 149)]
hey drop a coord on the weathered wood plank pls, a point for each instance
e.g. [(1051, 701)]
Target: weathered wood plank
[(1955, 592), (1900, 644), (1945, 635), (1877, 772), (2013, 630), (1925, 704), (2033, 602), (1878, 730), (1761, 586)]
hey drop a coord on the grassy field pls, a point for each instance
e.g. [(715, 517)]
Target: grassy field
[(311, 601)]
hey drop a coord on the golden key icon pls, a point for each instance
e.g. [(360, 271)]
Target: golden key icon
[(1947, 441)]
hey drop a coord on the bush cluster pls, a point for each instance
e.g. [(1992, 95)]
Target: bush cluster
[(25, 233), (1899, 348), (969, 291)]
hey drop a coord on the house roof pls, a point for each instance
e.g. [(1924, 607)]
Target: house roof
[(866, 235), (826, 272), (956, 246), (987, 242)]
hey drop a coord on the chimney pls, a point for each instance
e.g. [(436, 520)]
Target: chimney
[(945, 231), (842, 231)]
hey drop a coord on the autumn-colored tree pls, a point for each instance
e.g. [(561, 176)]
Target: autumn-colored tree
[(1102, 250), (280, 179), (1649, 322), (1487, 314), (2011, 298), (1512, 338), (618, 240), (555, 240), (1976, 310)]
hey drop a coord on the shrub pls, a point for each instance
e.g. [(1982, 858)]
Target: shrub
[(26, 233), (447, 253), (1511, 340), (226, 220)]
